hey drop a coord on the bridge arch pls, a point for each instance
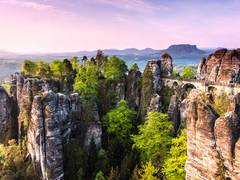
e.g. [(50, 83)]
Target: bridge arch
[(186, 88), (212, 90), (175, 84)]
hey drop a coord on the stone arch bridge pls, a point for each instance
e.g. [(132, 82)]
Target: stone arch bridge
[(211, 87)]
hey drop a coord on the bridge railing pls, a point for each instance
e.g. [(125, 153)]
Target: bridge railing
[(206, 83)]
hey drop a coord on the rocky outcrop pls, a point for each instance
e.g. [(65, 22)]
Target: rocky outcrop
[(76, 114), (155, 104), (202, 69), (222, 66), (24, 90), (166, 65), (174, 112), (226, 132), (202, 156), (150, 89), (154, 67), (55, 119), (133, 89), (8, 117), (94, 128), (212, 141), (49, 129), (36, 137), (49, 120), (152, 84)]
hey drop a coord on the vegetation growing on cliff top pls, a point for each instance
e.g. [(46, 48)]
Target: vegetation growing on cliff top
[(220, 103), (188, 73), (147, 90), (114, 69), (86, 81), (97, 81)]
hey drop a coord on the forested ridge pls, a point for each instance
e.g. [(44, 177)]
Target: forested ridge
[(135, 143), (99, 119)]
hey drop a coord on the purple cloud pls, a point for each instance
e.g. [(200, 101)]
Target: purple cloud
[(27, 4)]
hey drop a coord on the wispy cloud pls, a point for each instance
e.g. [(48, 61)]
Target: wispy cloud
[(28, 4), (134, 5)]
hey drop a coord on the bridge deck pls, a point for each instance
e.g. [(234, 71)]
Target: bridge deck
[(203, 82)]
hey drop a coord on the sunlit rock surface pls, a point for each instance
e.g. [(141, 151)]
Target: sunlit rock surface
[(222, 66), (166, 65), (213, 141)]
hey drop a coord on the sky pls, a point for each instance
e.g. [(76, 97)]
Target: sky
[(30, 26)]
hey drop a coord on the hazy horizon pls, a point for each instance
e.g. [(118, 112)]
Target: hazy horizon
[(91, 50), (50, 26)]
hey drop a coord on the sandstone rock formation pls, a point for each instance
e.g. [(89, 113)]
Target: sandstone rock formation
[(174, 112), (49, 128), (152, 83), (166, 65), (155, 104), (202, 156), (151, 87), (213, 141), (154, 67), (222, 66), (49, 120), (133, 89), (8, 117), (24, 90), (94, 128), (226, 132)]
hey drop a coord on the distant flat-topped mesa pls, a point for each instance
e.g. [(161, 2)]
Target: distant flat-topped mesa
[(222, 66), (183, 49)]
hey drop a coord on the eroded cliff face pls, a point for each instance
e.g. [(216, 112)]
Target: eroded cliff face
[(174, 112), (133, 89), (152, 98), (166, 65), (49, 129), (212, 141), (8, 117), (49, 120), (221, 66)]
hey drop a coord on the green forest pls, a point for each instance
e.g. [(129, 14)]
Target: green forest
[(136, 144)]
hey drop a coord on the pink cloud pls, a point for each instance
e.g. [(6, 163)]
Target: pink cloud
[(27, 4), (133, 5)]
